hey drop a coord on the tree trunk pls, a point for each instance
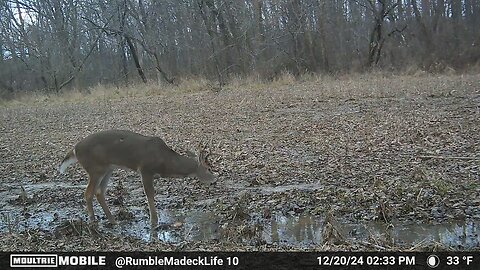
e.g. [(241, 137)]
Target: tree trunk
[(133, 51)]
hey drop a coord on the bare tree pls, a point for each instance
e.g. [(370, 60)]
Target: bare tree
[(61, 44)]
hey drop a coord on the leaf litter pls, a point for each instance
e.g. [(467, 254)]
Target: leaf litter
[(405, 152)]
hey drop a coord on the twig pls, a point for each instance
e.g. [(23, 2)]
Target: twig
[(189, 231), (72, 223), (419, 193), (368, 244), (418, 245)]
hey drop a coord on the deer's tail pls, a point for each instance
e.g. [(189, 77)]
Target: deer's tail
[(69, 159)]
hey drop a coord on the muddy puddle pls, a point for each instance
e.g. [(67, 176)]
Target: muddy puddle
[(180, 225), (307, 231), (293, 231)]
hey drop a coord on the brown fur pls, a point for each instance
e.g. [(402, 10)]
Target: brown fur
[(100, 153)]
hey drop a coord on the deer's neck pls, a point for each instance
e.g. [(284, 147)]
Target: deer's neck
[(181, 166)]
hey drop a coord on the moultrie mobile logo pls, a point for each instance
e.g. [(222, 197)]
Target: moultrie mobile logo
[(54, 260), (33, 260)]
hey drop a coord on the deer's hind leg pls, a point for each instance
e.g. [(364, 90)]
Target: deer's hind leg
[(100, 194), (95, 177)]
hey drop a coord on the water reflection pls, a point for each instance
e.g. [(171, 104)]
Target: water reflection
[(307, 230), (303, 230), (174, 227), (296, 231)]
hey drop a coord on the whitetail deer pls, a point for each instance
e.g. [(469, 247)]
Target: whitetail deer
[(100, 153)]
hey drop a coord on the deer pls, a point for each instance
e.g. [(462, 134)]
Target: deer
[(99, 154)]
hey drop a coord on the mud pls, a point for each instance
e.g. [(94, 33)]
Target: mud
[(19, 215)]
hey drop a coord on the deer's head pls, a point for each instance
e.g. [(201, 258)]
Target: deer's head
[(204, 168)]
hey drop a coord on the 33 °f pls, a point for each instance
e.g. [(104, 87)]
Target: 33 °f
[(455, 260)]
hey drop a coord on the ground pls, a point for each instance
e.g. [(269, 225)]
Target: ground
[(363, 162)]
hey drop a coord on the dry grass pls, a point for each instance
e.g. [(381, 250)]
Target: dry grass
[(371, 85)]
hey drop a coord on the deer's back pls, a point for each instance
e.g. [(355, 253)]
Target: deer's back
[(119, 147)]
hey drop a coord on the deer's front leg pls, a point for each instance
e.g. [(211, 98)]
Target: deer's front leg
[(147, 180)]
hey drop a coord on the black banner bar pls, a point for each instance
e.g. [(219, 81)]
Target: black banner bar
[(241, 260)]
